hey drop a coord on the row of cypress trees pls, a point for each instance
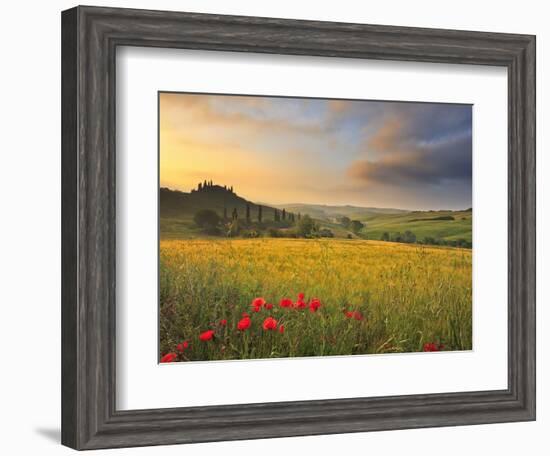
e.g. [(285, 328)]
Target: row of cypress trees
[(278, 215)]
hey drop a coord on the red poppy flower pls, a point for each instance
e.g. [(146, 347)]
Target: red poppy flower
[(301, 296), (269, 306), (314, 305), (182, 346), (300, 304), (432, 347), (223, 322), (206, 335), (282, 329), (244, 323), (285, 302), (269, 323), (168, 358), (355, 314), (256, 309), (258, 302)]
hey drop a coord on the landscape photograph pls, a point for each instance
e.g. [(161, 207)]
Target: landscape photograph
[(297, 227)]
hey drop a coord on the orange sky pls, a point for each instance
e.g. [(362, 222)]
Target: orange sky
[(285, 150)]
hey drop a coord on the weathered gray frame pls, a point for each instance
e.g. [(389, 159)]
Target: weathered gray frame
[(90, 36)]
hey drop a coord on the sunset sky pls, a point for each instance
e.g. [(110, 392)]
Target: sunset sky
[(295, 150)]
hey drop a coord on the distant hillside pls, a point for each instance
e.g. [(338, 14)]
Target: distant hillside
[(326, 212), (446, 225), (174, 203), (177, 210)]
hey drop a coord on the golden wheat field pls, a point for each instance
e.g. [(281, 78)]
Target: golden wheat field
[(269, 298)]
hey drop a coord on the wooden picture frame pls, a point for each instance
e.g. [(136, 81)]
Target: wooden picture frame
[(90, 36)]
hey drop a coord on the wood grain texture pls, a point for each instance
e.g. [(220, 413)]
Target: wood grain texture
[(90, 36), (69, 285)]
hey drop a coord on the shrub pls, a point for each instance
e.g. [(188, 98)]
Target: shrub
[(356, 226), (274, 232), (234, 228), (325, 232), (250, 234), (429, 240), (409, 237), (206, 218), (397, 237), (441, 217), (345, 222), (306, 227)]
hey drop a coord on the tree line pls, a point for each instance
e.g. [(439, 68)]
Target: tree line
[(353, 225), (408, 237), (274, 222)]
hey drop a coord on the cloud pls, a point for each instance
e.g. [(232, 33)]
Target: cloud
[(371, 153), (431, 164), (416, 146), (235, 114), (388, 137), (338, 106)]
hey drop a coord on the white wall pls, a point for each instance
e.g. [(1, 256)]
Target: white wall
[(30, 224)]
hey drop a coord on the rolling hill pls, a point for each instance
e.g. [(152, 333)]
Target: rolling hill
[(174, 203), (446, 225), (327, 212), (177, 210)]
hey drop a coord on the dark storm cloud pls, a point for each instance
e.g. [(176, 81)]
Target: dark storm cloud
[(418, 146), (428, 164)]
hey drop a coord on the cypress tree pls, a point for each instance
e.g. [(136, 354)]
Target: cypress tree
[(284, 215), (276, 215), (248, 212), (260, 214), (234, 215)]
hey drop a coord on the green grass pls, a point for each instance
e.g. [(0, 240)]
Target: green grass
[(421, 225), (179, 228)]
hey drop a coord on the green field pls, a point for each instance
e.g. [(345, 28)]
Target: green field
[(422, 224), (404, 296)]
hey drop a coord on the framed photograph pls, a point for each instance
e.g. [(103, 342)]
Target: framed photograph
[(314, 227)]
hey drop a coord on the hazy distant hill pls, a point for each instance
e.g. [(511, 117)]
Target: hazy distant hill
[(175, 203), (322, 211)]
